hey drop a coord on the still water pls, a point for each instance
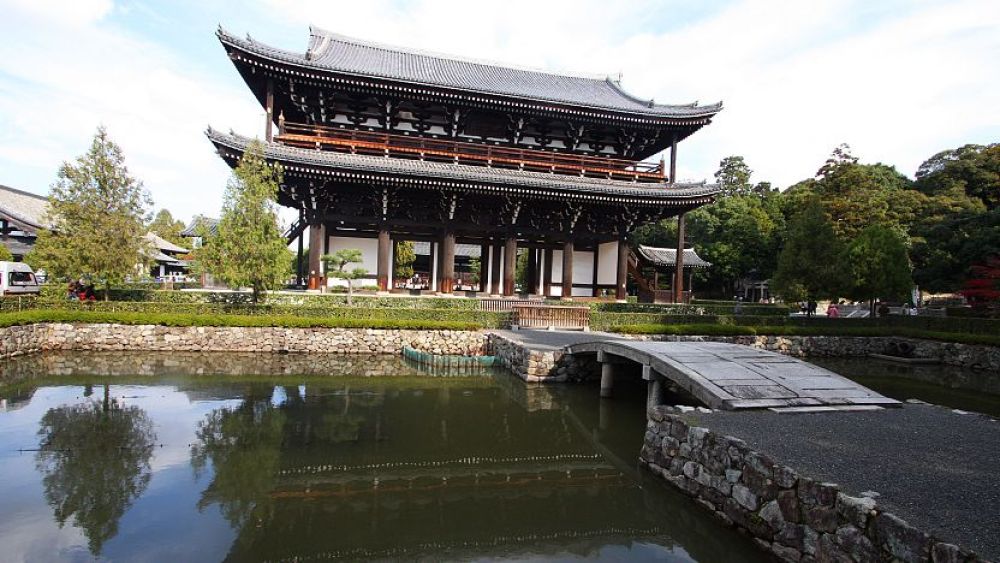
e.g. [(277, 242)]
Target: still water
[(212, 457)]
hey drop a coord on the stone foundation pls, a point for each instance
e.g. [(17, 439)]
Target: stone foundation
[(540, 366), (794, 517), (18, 340)]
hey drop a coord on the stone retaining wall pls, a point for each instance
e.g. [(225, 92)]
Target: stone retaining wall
[(18, 340), (540, 366), (794, 517)]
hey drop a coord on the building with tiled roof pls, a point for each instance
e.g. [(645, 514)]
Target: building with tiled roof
[(22, 214), (381, 143)]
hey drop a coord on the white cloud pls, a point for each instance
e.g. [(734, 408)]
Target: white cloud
[(797, 77)]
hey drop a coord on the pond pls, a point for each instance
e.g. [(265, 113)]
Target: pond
[(210, 457)]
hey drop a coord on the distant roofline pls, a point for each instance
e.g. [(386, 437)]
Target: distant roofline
[(305, 60), (23, 192)]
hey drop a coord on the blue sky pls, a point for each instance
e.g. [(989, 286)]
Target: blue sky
[(898, 80)]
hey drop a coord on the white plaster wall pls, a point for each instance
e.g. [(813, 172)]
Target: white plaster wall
[(583, 272), (556, 289), (607, 263), (369, 258)]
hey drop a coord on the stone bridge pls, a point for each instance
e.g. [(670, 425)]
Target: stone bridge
[(731, 376)]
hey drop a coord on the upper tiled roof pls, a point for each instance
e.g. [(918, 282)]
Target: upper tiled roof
[(668, 257), (398, 167), (24, 207), (194, 227), (336, 53)]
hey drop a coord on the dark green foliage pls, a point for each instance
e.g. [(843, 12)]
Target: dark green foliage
[(878, 265), (166, 227), (405, 257), (809, 265)]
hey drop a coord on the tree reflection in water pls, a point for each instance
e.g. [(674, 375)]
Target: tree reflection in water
[(94, 458)]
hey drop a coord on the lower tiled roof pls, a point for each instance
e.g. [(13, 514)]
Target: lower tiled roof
[(581, 187), (668, 257)]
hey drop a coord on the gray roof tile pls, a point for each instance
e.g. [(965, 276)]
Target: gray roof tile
[(332, 52), (658, 192), (24, 207), (668, 257)]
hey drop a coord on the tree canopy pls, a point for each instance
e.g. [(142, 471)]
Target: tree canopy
[(166, 227), (249, 249), (809, 265), (878, 265), (97, 212)]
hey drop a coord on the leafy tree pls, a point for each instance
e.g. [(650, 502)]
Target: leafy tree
[(94, 460), (878, 264), (249, 249), (475, 268), (733, 176), (5, 254), (840, 156), (976, 168), (97, 213), (336, 262), (405, 257), (809, 266), (166, 227)]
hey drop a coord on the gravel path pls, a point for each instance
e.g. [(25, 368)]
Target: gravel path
[(936, 469)]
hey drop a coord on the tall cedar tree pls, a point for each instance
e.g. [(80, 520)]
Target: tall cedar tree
[(168, 228), (249, 249), (97, 212), (878, 265), (809, 267)]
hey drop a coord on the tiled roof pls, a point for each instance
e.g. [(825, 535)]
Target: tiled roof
[(332, 52), (668, 257), (398, 167), (165, 245), (192, 230), (26, 208)]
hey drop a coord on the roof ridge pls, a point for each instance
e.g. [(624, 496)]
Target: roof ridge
[(23, 192), (315, 31)]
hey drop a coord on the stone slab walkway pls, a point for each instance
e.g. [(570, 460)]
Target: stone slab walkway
[(936, 469)]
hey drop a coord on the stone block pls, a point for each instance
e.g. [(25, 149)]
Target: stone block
[(828, 551), (855, 510), (735, 512), (899, 539), (821, 518), (785, 476), (733, 475), (788, 501), (745, 497), (853, 542), (788, 554), (812, 493)]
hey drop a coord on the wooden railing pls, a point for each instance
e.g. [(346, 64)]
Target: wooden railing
[(505, 305), (423, 148), (545, 316)]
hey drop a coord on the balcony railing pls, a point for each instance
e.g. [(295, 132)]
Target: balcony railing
[(438, 150)]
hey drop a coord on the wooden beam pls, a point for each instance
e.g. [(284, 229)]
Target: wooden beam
[(679, 262), (567, 271), (509, 264), (621, 275), (383, 267)]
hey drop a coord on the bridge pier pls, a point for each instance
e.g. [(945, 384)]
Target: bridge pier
[(607, 374), (654, 386)]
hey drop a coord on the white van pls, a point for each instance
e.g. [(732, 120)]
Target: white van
[(17, 279)]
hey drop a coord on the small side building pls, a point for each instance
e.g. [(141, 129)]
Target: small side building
[(652, 261)]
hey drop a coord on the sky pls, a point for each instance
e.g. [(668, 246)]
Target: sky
[(898, 80)]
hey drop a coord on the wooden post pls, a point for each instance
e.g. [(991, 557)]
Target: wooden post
[(495, 270), (269, 106), (531, 275), (595, 292), (316, 246), (673, 160), (484, 267), (679, 262), (547, 273), (621, 277), (567, 271), (509, 264), (300, 267), (432, 269), (448, 262), (383, 260)]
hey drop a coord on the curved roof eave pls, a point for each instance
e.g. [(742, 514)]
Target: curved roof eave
[(662, 193), (641, 107)]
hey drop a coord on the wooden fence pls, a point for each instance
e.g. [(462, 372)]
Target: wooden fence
[(545, 316)]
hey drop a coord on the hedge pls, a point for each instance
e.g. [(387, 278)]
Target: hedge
[(181, 320), (992, 339), (697, 308)]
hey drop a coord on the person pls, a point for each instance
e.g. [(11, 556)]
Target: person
[(71, 291), (811, 308), (833, 311)]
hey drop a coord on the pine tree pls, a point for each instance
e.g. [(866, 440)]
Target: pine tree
[(249, 249), (97, 211)]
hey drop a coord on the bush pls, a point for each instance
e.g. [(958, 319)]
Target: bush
[(173, 319), (697, 308)]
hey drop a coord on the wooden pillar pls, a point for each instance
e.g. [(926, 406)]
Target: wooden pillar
[(432, 268), (509, 264), (547, 273), (539, 268), (531, 275), (679, 262), (621, 275), (300, 266), (495, 270), (673, 159), (595, 292), (484, 267), (269, 106), (448, 262), (383, 265), (567, 270), (316, 246)]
